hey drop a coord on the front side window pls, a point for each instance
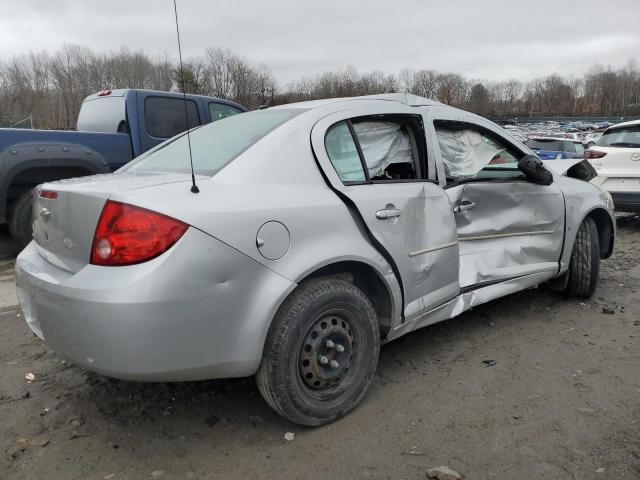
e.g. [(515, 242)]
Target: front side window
[(470, 153), (579, 148), (213, 145), (219, 111), (164, 117)]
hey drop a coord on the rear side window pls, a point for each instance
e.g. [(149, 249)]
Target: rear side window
[(165, 117), (219, 111), (384, 148), (389, 149), (628, 137), (103, 114), (213, 145), (343, 153), (579, 148)]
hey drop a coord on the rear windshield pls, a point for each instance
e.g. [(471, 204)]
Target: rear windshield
[(103, 114), (553, 145), (213, 145), (621, 137)]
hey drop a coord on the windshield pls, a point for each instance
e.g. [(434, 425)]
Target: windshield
[(552, 145), (213, 145), (621, 137)]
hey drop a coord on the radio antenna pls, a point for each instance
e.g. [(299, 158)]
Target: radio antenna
[(194, 187)]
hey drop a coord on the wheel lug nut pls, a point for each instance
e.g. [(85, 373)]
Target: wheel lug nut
[(339, 348), (334, 364), (324, 360), (330, 344)]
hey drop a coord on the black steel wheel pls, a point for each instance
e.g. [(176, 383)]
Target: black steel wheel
[(321, 352)]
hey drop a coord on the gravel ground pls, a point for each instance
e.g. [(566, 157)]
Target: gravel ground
[(531, 386)]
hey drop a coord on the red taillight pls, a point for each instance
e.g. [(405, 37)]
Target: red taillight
[(48, 194), (593, 154), (104, 93), (126, 235)]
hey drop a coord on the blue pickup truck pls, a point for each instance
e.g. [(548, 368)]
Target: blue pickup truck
[(114, 127)]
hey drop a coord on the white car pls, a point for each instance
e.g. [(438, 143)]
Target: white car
[(591, 139), (616, 158)]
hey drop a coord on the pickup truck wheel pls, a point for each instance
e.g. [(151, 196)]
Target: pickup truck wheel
[(321, 352), (584, 266), (21, 218)]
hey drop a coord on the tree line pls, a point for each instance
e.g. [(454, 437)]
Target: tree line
[(48, 88)]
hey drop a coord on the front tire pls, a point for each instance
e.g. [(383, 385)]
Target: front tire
[(21, 218), (321, 352), (584, 267)]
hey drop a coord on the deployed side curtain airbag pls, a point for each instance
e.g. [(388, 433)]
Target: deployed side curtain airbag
[(383, 143), (465, 152)]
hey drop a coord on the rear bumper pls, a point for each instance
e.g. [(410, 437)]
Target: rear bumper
[(626, 201), (201, 310)]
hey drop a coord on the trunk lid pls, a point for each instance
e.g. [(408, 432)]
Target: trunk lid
[(63, 227)]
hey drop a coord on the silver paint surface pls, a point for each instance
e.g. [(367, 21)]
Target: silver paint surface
[(203, 308)]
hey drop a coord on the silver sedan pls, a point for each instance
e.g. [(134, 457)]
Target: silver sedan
[(320, 231)]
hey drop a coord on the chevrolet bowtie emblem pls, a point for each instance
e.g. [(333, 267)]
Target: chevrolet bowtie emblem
[(635, 157), (45, 213)]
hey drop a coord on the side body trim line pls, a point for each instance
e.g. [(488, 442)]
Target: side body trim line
[(504, 235), (433, 249)]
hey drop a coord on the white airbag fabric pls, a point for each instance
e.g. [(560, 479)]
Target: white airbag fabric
[(464, 152), (383, 143)]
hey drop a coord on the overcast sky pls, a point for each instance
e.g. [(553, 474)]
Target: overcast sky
[(486, 39)]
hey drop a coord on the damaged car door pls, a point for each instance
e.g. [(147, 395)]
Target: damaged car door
[(378, 165), (508, 226)]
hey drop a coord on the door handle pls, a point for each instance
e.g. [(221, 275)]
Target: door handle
[(463, 206), (389, 212)]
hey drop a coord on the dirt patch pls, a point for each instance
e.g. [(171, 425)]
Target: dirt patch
[(531, 386)]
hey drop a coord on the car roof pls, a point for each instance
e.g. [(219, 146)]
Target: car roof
[(624, 124), (404, 98)]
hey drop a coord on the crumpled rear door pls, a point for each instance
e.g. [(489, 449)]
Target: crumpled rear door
[(409, 222)]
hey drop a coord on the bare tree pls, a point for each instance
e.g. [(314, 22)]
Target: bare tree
[(49, 88)]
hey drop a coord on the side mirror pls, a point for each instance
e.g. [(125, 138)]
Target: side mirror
[(534, 170)]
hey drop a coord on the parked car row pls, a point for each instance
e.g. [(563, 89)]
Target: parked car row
[(587, 133)]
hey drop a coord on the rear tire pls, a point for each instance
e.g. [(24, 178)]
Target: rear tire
[(325, 320), (584, 267), (21, 219)]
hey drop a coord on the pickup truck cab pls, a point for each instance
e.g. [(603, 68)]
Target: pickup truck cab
[(114, 127)]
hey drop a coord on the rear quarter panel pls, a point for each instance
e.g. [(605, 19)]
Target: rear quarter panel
[(278, 180)]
